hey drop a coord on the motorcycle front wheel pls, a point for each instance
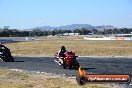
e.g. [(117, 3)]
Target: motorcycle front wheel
[(76, 65), (64, 65)]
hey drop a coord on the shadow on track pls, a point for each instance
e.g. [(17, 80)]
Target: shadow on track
[(18, 61), (88, 68)]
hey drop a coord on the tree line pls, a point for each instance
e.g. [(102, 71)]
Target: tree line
[(6, 32)]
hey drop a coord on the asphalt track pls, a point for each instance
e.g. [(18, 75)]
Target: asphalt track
[(90, 64)]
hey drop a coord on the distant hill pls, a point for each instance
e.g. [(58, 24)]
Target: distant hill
[(75, 26), (105, 27)]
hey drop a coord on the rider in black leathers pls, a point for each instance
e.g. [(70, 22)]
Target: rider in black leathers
[(62, 51), (61, 54), (5, 50)]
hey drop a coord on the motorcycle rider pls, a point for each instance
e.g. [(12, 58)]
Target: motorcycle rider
[(61, 54), (5, 49), (62, 51)]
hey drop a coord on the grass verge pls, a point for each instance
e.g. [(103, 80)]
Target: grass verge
[(13, 79), (46, 46)]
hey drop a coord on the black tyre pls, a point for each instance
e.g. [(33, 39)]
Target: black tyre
[(64, 65), (81, 80), (8, 59), (11, 59), (76, 65)]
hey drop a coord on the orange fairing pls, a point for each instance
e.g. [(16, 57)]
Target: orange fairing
[(81, 71)]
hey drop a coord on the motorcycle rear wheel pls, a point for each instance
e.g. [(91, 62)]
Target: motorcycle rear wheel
[(11, 59), (80, 80)]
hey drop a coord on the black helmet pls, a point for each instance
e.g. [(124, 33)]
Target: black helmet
[(63, 48)]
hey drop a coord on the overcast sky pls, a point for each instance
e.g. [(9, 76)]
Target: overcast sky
[(34, 13)]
